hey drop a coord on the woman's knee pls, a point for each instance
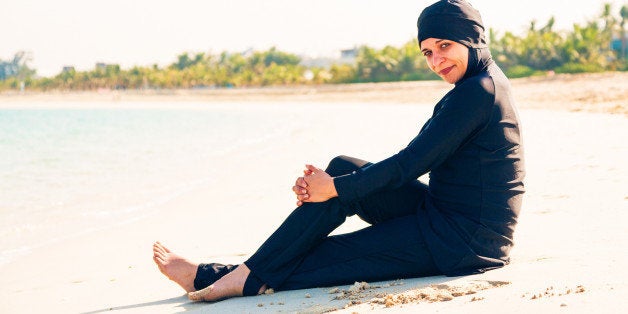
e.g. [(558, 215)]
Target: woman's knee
[(342, 164)]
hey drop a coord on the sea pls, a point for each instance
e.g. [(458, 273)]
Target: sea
[(71, 170)]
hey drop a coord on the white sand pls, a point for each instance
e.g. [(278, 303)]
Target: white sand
[(571, 231)]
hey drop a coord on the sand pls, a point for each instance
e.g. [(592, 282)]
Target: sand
[(571, 241)]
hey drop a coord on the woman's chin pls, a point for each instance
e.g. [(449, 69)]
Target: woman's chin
[(451, 78)]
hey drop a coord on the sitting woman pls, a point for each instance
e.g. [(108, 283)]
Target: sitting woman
[(462, 222)]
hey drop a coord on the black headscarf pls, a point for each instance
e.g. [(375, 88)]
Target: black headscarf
[(457, 20)]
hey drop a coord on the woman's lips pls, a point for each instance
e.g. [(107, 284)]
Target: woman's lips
[(446, 71)]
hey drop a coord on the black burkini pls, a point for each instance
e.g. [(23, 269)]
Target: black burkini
[(461, 223)]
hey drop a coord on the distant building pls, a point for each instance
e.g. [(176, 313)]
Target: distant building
[(348, 56), (68, 68), (101, 66), (349, 53)]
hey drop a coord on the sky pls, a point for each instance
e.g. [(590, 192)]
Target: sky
[(81, 33)]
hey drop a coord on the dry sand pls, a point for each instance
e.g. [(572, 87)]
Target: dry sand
[(571, 242)]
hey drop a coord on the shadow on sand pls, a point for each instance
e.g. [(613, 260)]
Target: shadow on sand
[(315, 300), (181, 301)]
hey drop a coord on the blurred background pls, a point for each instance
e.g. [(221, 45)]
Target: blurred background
[(87, 45)]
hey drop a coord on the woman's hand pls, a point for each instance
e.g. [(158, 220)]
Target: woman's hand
[(319, 186), (300, 188)]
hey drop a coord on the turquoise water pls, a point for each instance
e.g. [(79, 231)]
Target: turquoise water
[(64, 172)]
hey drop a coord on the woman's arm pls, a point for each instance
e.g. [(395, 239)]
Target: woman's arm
[(458, 117)]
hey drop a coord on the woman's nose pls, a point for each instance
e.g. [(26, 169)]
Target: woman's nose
[(437, 58)]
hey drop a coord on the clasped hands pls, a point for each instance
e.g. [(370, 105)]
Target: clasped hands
[(314, 186)]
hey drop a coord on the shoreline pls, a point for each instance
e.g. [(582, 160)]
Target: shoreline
[(591, 92)]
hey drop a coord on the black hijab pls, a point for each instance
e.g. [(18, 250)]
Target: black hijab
[(457, 20)]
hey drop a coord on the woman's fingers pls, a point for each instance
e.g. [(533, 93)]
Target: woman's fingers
[(298, 190), (301, 182), (299, 187)]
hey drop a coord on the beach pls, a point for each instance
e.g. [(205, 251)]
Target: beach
[(570, 244)]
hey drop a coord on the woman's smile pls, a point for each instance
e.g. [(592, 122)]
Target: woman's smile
[(446, 71)]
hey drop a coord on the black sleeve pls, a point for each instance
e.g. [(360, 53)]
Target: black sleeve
[(462, 113)]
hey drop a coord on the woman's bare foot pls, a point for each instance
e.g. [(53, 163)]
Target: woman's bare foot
[(231, 285), (175, 267)]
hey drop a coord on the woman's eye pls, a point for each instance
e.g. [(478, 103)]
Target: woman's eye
[(427, 53), (445, 45)]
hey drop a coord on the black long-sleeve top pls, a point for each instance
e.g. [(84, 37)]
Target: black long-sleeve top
[(471, 147)]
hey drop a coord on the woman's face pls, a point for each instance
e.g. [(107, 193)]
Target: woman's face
[(446, 58)]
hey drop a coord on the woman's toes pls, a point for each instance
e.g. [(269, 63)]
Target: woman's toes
[(158, 248), (159, 255), (163, 247)]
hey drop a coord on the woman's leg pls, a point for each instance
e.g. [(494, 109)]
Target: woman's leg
[(207, 274), (305, 227), (282, 252), (389, 250), (310, 224)]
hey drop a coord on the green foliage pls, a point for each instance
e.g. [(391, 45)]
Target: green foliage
[(521, 71), (586, 48), (184, 61), (391, 64), (342, 73), (573, 67)]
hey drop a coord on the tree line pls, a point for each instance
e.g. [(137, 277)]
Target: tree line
[(587, 47)]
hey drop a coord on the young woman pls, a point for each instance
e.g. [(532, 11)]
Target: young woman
[(462, 222)]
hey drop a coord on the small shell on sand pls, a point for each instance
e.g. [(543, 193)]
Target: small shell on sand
[(269, 291)]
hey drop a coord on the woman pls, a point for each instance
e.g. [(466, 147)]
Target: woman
[(461, 223)]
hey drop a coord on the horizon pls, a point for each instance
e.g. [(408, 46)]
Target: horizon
[(143, 33)]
